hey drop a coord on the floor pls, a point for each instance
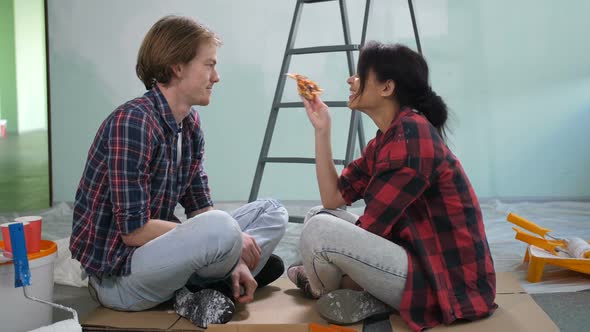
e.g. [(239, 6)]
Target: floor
[(569, 310), (563, 295), (24, 172)]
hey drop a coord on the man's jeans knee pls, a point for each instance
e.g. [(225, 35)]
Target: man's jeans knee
[(222, 248), (266, 220)]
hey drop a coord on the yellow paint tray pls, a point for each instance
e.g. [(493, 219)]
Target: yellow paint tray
[(537, 258)]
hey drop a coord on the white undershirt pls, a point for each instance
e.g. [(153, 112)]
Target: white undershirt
[(179, 148)]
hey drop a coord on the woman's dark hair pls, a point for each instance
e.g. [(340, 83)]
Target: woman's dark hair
[(409, 71)]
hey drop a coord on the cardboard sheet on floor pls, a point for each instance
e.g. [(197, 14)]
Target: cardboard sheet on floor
[(280, 307)]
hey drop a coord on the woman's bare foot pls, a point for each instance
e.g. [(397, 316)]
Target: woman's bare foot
[(297, 275)]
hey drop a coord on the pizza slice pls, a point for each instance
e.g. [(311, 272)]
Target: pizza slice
[(306, 87)]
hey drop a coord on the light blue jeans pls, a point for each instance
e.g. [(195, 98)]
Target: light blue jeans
[(332, 246), (207, 247)]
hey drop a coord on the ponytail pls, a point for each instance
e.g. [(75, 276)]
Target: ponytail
[(434, 109)]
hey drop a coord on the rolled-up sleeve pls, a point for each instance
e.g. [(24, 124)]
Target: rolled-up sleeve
[(198, 194), (353, 180), (356, 176), (129, 154)]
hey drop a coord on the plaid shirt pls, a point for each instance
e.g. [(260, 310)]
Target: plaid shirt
[(131, 176), (418, 196)]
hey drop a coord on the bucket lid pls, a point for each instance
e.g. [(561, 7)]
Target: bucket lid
[(47, 248)]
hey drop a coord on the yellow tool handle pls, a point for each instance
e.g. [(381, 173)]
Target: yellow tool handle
[(528, 225), (536, 241)]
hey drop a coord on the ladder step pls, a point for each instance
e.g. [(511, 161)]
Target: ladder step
[(296, 219), (324, 49), (300, 104), (297, 160), (314, 1)]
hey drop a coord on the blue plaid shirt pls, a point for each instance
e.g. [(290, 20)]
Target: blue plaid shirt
[(131, 176)]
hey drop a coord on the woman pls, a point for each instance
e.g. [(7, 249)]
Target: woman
[(420, 245)]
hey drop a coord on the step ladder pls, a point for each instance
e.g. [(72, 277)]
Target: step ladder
[(355, 127)]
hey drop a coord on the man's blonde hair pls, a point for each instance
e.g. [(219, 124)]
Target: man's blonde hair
[(170, 41)]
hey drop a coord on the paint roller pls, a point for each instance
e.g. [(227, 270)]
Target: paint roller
[(22, 278), (68, 325), (575, 246)]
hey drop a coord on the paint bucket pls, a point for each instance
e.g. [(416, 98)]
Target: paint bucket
[(2, 128), (18, 313)]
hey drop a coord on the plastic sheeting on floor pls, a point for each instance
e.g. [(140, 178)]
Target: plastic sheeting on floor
[(565, 218)]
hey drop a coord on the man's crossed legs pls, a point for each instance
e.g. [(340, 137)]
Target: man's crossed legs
[(201, 251)]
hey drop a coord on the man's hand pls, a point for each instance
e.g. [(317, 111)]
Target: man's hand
[(250, 251), (241, 276)]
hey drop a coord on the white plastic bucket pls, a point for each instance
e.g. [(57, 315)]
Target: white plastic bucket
[(17, 313)]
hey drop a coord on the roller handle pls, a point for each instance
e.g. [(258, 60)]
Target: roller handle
[(528, 225), (536, 241)]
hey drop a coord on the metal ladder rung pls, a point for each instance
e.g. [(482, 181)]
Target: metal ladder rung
[(296, 220), (323, 49), (314, 1), (300, 104), (297, 160)]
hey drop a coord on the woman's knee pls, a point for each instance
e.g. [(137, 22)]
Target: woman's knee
[(315, 231), (320, 223), (312, 212)]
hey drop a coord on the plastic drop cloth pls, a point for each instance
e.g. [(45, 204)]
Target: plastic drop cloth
[(565, 218)]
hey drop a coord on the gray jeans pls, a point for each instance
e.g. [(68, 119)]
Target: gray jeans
[(332, 246), (206, 247)]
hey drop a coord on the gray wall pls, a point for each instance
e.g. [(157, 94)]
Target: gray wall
[(516, 76)]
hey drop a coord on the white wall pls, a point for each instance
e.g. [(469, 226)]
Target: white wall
[(31, 78), (516, 77)]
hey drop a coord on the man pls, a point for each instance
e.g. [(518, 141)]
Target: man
[(148, 156)]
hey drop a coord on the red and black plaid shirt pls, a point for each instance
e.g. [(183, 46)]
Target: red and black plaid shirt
[(418, 196), (131, 176)]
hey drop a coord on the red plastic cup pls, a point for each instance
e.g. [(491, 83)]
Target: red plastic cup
[(2, 128), (32, 232), (6, 237)]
